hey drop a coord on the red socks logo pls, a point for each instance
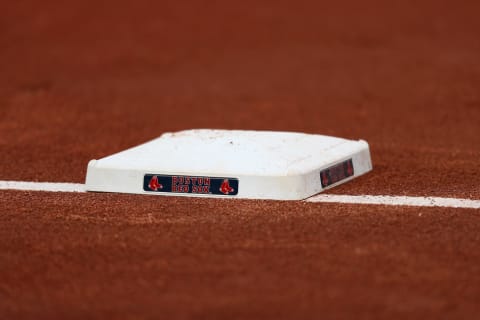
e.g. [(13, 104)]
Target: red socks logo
[(154, 185), (225, 187)]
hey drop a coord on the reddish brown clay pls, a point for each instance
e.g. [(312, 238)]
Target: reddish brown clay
[(83, 79)]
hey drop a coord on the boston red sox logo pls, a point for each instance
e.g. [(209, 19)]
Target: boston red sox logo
[(349, 168), (324, 177), (154, 184), (225, 187)]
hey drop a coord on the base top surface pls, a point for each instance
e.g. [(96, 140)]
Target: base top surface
[(209, 151)]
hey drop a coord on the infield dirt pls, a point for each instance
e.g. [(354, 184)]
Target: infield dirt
[(81, 80)]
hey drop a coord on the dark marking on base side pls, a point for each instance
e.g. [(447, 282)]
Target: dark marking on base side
[(190, 184), (336, 173)]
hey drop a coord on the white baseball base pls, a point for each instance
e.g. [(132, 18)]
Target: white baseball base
[(232, 164)]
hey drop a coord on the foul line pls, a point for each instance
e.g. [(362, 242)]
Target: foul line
[(397, 201), (42, 186), (321, 198)]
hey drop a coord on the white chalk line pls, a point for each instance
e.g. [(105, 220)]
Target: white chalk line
[(321, 198), (42, 186), (397, 201)]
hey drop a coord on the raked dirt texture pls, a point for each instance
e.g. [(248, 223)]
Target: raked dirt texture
[(80, 80)]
